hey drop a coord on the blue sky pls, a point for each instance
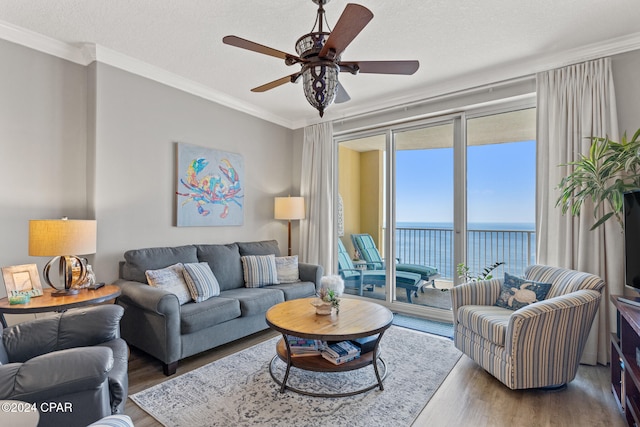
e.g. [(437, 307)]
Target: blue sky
[(500, 184)]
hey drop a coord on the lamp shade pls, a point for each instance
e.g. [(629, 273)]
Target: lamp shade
[(58, 237), (289, 208)]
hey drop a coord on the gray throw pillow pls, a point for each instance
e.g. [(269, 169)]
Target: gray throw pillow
[(287, 269), (170, 279)]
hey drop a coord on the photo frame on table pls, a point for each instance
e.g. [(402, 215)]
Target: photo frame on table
[(22, 279)]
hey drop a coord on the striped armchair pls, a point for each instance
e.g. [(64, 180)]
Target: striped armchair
[(539, 345)]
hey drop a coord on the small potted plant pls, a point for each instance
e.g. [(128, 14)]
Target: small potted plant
[(331, 287), (464, 272)]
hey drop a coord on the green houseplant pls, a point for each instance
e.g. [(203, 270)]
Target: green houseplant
[(464, 272), (609, 170)]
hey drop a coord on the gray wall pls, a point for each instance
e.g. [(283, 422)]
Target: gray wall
[(625, 75), (138, 122), (98, 142), (42, 146)]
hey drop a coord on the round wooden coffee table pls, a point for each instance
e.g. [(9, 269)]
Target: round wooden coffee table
[(357, 319)]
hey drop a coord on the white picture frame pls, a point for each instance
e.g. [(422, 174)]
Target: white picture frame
[(22, 279)]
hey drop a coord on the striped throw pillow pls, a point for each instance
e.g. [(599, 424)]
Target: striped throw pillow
[(201, 281), (259, 270), (287, 267)]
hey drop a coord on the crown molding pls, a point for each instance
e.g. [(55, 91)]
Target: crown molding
[(87, 53), (107, 56), (41, 43)]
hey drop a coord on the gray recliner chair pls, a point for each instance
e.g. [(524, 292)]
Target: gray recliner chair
[(76, 359)]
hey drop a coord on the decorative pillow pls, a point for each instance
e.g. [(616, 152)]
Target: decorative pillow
[(201, 281), (287, 268), (259, 270), (517, 292), (170, 279)]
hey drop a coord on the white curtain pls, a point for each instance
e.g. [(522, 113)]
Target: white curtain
[(317, 186), (575, 103)]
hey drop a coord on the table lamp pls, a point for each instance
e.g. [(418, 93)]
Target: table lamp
[(289, 208), (64, 239)]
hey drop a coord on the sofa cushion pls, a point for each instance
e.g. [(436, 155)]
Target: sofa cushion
[(516, 292), (265, 247), (296, 290), (201, 281), (171, 279), (195, 317), (255, 300), (259, 270), (225, 264), (287, 268), (137, 261), (487, 321)]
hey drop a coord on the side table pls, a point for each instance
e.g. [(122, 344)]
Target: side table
[(46, 302)]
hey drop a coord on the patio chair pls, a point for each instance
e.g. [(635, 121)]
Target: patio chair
[(368, 251), (359, 278)]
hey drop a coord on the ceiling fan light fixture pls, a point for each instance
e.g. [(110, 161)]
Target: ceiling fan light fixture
[(320, 84), (311, 44), (320, 57)]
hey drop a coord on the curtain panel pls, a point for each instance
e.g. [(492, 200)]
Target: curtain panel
[(317, 186), (574, 104)]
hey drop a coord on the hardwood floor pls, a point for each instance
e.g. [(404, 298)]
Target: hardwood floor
[(468, 397)]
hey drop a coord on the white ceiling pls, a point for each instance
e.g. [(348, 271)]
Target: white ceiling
[(459, 43)]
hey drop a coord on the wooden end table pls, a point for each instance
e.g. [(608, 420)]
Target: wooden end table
[(357, 319), (46, 302)]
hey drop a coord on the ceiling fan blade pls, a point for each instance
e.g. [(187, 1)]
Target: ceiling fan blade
[(380, 67), (256, 47), (287, 79), (351, 22), (341, 95)]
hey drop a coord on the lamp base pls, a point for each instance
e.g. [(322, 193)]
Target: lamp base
[(64, 292), (66, 275)]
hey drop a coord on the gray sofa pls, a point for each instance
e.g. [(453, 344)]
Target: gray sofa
[(156, 323), (73, 361)]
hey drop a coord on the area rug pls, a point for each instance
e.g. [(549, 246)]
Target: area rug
[(238, 390)]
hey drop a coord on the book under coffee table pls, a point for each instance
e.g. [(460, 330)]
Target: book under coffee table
[(357, 319)]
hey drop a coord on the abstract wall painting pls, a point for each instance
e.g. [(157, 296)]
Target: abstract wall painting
[(209, 187)]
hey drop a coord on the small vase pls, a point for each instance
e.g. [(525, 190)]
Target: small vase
[(323, 308)]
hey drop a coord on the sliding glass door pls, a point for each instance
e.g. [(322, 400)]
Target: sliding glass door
[(424, 212), (501, 164), (419, 199)]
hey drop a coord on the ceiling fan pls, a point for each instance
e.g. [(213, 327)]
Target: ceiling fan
[(319, 55)]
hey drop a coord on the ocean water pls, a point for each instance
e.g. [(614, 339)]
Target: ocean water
[(519, 226), (432, 244)]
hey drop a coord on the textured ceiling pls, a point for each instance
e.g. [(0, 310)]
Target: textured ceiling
[(457, 42)]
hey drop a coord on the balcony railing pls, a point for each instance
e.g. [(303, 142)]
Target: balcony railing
[(434, 247)]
